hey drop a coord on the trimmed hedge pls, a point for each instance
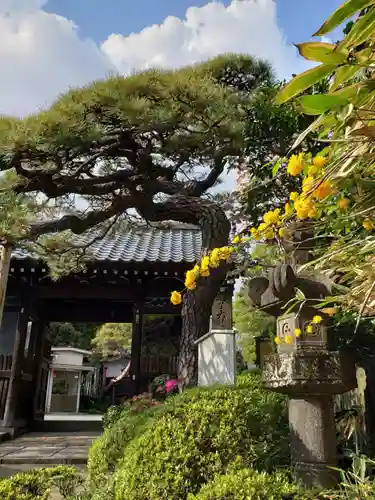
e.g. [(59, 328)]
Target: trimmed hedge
[(108, 450), (250, 485), (202, 433), (37, 484)]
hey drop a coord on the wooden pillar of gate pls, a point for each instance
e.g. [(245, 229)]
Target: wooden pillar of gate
[(41, 369), (15, 379), (135, 367)]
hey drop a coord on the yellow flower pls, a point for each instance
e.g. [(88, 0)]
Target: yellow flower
[(312, 213), (215, 258), (263, 227), (313, 170), (176, 298), (317, 319), (293, 196), (282, 232), (205, 263), (323, 190), (310, 329), (288, 339), (269, 234), (303, 206), (255, 233), (319, 161), (330, 311), (295, 165), (297, 332), (190, 278), (225, 252), (196, 270), (287, 209), (205, 273), (272, 217), (307, 184), (277, 340), (343, 203), (236, 239), (368, 225)]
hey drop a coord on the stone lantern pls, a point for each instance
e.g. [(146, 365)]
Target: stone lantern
[(306, 370)]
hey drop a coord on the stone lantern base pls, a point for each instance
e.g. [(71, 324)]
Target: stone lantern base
[(310, 379), (304, 372)]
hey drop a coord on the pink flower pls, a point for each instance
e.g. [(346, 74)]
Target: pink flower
[(170, 385), (134, 398)]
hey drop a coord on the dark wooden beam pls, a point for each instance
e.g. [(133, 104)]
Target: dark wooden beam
[(135, 367)]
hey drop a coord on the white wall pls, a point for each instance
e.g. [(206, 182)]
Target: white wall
[(114, 368), (67, 358), (217, 359)]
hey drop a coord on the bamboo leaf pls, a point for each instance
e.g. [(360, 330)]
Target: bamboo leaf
[(361, 31), (304, 81), (363, 55), (365, 131), (276, 168), (322, 52), (343, 74), (320, 103), (346, 10), (313, 126)]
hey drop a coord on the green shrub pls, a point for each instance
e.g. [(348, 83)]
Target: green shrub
[(106, 451), (203, 433), (250, 485), (36, 484), (112, 415)]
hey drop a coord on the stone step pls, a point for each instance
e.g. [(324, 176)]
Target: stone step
[(47, 449)]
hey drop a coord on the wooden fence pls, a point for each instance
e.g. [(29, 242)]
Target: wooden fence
[(158, 365)]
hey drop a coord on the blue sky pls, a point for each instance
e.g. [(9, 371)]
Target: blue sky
[(99, 18)]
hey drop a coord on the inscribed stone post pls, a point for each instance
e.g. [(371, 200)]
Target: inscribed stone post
[(217, 349)]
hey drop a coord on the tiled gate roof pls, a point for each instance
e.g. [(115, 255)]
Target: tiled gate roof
[(178, 243)]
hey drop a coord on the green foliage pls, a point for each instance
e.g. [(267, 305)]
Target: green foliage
[(77, 335), (121, 426), (202, 433), (37, 484), (148, 132), (110, 337), (270, 131), (304, 81), (347, 121), (250, 322), (348, 9), (321, 52), (249, 484)]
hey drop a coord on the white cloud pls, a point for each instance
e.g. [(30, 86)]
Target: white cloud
[(245, 26), (42, 55)]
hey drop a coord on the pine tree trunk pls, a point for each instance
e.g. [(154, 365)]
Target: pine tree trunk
[(197, 304), (196, 312)]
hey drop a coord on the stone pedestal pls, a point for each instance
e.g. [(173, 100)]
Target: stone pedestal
[(313, 440)]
